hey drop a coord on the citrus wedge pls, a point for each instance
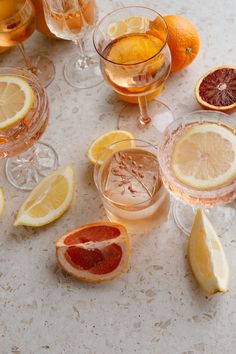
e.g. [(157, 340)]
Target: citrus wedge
[(16, 100), (49, 199), (138, 24), (94, 252), (101, 143), (217, 88), (204, 157), (206, 255), (2, 201)]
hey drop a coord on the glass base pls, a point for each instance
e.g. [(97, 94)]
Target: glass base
[(82, 74), (27, 169), (160, 114), (221, 216), (42, 67)]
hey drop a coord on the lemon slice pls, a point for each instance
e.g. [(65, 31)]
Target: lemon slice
[(204, 157), (49, 199), (206, 255), (100, 144), (2, 201), (16, 100), (128, 25)]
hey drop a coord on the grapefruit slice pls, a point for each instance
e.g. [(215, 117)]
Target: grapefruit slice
[(94, 252), (217, 89)]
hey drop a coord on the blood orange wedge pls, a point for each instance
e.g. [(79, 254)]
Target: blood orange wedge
[(217, 88), (94, 252)]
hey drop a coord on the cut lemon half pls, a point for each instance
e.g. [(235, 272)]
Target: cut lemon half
[(16, 100), (206, 255), (94, 252), (138, 24), (204, 157), (49, 199), (101, 143), (2, 201)]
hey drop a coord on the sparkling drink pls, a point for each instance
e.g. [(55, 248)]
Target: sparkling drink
[(131, 189), (17, 22)]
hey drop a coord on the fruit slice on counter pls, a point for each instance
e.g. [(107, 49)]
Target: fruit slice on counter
[(102, 142), (207, 257), (2, 201), (204, 157), (217, 88), (49, 199), (16, 100), (94, 252)]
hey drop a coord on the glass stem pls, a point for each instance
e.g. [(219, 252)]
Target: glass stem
[(83, 61), (144, 118), (27, 60)]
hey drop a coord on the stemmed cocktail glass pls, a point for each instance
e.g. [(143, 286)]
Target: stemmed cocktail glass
[(198, 166), (135, 61), (17, 23), (71, 20)]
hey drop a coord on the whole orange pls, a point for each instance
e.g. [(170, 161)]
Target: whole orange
[(183, 41)]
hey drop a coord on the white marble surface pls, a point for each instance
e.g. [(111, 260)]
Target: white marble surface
[(156, 307)]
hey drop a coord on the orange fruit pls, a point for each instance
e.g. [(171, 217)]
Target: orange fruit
[(40, 19), (183, 41), (217, 88), (94, 252)]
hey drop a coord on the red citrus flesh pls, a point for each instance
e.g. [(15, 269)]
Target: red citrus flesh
[(218, 88), (93, 233)]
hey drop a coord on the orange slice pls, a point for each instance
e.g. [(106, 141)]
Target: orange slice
[(94, 252), (217, 89)]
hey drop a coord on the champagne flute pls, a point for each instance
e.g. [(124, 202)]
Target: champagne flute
[(17, 23), (71, 20)]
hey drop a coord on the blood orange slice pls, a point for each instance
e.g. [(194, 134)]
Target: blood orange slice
[(217, 89), (94, 252)]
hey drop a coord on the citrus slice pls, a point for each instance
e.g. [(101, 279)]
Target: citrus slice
[(204, 157), (138, 24), (2, 201), (16, 100), (102, 142), (49, 199), (206, 255), (94, 252), (217, 88)]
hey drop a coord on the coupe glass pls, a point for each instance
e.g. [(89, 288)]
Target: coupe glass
[(28, 160), (217, 202), (135, 61), (17, 23), (71, 20)]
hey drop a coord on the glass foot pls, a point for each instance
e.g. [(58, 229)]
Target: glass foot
[(221, 216), (81, 74), (25, 170), (42, 67), (161, 116)]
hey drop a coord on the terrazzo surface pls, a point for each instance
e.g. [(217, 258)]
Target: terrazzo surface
[(156, 306)]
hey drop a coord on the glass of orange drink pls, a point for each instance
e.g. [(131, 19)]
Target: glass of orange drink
[(135, 61)]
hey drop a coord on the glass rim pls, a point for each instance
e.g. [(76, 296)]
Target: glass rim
[(97, 167), (18, 12), (140, 62), (194, 193)]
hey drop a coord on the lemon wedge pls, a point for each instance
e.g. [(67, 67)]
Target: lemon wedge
[(49, 199), (207, 257), (16, 100), (102, 142), (204, 157), (2, 201), (134, 24)]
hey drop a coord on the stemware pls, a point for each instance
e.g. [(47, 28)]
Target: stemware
[(135, 61), (71, 20), (17, 23), (28, 160), (216, 201)]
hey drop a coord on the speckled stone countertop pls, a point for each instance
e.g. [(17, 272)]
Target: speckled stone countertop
[(156, 307)]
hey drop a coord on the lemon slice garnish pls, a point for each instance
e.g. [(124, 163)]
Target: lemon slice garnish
[(49, 199), (128, 25), (16, 100), (207, 256)]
